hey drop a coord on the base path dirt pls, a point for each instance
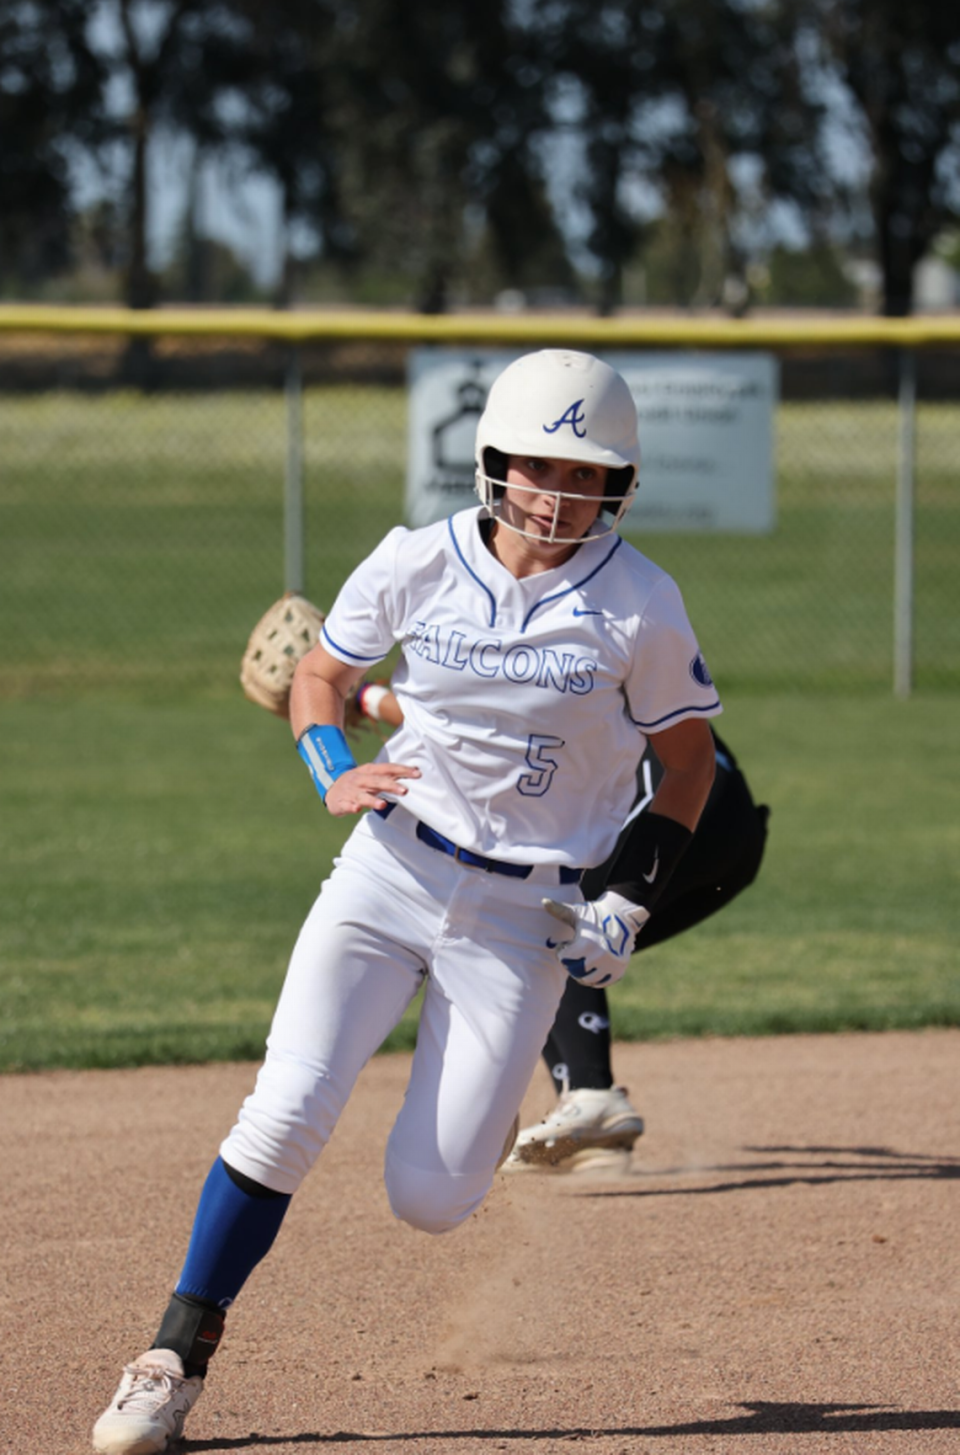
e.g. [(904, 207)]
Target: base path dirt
[(777, 1274)]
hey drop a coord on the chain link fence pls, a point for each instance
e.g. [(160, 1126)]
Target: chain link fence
[(146, 496)]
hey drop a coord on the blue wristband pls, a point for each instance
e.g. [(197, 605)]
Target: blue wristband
[(327, 754)]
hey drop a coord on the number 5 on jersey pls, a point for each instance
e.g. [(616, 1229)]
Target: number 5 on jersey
[(535, 783)]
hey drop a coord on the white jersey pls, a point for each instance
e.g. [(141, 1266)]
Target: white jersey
[(526, 702)]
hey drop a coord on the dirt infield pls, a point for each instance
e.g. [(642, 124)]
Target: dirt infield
[(777, 1275)]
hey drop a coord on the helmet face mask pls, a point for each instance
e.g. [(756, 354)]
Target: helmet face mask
[(492, 486), (564, 405)]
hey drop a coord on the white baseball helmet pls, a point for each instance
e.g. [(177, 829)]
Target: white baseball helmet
[(564, 405)]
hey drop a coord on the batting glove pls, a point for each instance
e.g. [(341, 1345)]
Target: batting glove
[(602, 940)]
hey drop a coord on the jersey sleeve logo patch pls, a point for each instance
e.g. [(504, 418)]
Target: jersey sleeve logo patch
[(700, 672), (574, 417)]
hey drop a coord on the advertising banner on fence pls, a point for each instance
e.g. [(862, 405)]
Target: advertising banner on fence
[(706, 436)]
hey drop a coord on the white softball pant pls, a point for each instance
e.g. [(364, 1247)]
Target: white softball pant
[(396, 915)]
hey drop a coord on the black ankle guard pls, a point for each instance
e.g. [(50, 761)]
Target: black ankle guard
[(192, 1329)]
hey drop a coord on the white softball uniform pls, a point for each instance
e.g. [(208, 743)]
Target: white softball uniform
[(526, 703), (526, 706)]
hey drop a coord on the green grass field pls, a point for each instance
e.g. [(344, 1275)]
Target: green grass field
[(140, 538), (160, 842), (157, 862)]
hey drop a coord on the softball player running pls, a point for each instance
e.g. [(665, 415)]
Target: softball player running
[(539, 652)]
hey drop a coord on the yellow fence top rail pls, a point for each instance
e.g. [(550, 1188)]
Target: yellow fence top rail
[(622, 331)]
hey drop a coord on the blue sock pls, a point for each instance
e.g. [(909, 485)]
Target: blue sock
[(232, 1231)]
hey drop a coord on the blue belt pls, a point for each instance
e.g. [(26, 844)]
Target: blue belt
[(429, 836)]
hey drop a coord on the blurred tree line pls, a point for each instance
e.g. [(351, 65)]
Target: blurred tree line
[(429, 152)]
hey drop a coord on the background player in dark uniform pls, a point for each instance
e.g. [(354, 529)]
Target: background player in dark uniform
[(594, 1125)]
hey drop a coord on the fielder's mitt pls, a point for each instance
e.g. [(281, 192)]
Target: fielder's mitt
[(280, 638)]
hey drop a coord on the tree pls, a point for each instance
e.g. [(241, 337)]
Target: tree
[(901, 65), (749, 134), (292, 126), (177, 63), (812, 277), (670, 98), (49, 92), (438, 108), (603, 74), (390, 126)]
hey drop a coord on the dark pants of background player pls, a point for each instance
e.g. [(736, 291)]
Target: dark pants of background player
[(722, 860)]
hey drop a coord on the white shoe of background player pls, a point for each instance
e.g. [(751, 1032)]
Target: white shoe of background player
[(149, 1408), (588, 1130)]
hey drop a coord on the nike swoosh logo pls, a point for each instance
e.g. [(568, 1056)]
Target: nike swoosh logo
[(579, 611), (653, 872)]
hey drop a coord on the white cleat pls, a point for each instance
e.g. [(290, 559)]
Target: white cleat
[(588, 1131), (149, 1408)]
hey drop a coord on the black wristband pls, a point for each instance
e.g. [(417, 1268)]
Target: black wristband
[(651, 851)]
